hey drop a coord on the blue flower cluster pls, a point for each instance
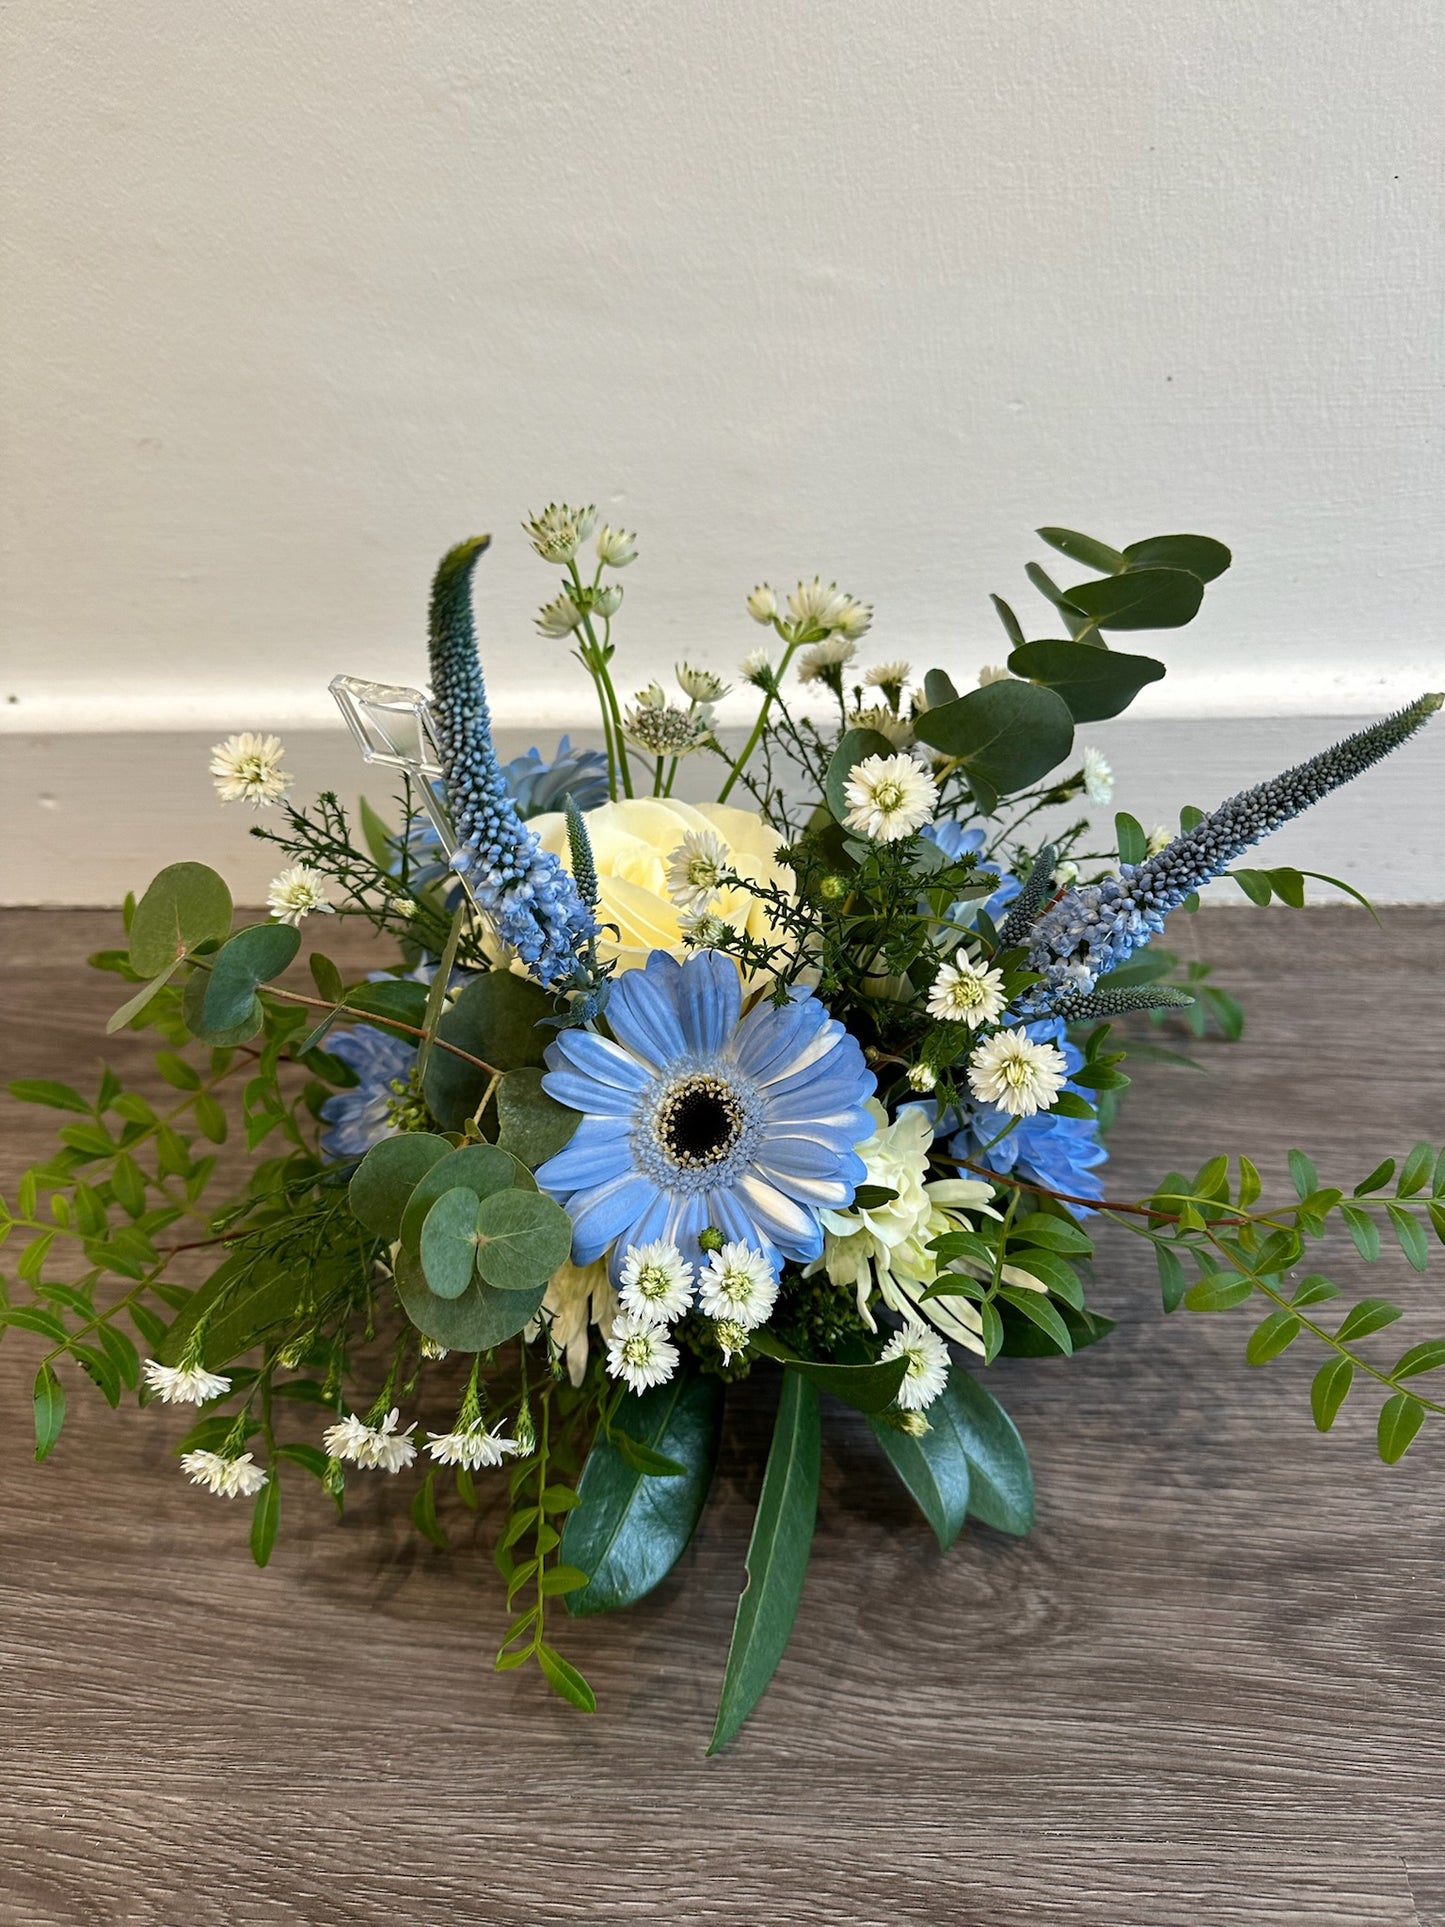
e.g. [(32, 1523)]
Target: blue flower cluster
[(524, 890), (1091, 931), (365, 1114), (955, 841)]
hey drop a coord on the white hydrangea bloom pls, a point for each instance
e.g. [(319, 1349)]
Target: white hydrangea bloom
[(296, 892), (247, 769), (928, 1361), (183, 1384), (1015, 1075), (889, 797), (640, 1352)]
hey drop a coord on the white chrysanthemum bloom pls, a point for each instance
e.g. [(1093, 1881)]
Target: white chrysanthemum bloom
[(239, 1478), (889, 797), (700, 684), (853, 620), (739, 1286), (378, 1448), (822, 662), (922, 1078), (615, 547), (1098, 776), (817, 605), (762, 604), (991, 672), (695, 869), (757, 667), (560, 530), (966, 991), (577, 1297), (183, 1384), (887, 722), (559, 617), (656, 1282), (607, 600), (1015, 1075), (472, 1448), (1160, 837), (247, 769), (296, 893), (888, 675), (640, 1352), (928, 1362)]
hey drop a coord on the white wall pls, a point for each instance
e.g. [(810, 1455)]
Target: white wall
[(300, 293)]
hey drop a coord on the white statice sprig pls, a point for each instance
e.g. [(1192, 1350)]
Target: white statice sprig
[(228, 1478), (927, 1371), (247, 769), (296, 893), (656, 1282), (640, 1353), (186, 1384), (967, 991), (1015, 1075), (889, 797)]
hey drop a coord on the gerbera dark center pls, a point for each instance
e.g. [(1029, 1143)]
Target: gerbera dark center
[(698, 1122)]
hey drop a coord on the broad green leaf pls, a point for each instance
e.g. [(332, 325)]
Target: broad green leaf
[(326, 977), (1377, 1180), (1053, 1270), (266, 1519), (868, 1387), (938, 688), (1370, 1315), (1084, 548), (1428, 1356), (1327, 1394), (1037, 1309), (1054, 1234), (481, 1168), (448, 1248), (193, 1000), (49, 1409), (522, 1238), (564, 1679), (1201, 555), (534, 1127), (1271, 1337), (1130, 838), (1364, 1231), (1314, 1290), (186, 905), (777, 1557), (1218, 1292), (1305, 1177), (628, 1528), (475, 1322), (1023, 1339), (383, 1182), (1411, 1234), (1001, 1481), (391, 1000), (496, 1018), (45, 1090), (1013, 628), (1074, 617), (1254, 883), (852, 748), (241, 1308), (1141, 599), (934, 1467), (1009, 733), (252, 957), (1095, 683), (1401, 1417), (1416, 1174), (1289, 886)]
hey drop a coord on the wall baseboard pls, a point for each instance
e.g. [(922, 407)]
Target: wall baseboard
[(89, 816)]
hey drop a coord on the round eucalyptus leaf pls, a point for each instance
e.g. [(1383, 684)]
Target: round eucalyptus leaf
[(1094, 682), (186, 905), (193, 999), (522, 1237), (478, 1168), (387, 1176), (475, 1322), (253, 957), (534, 1126), (449, 1242), (1141, 599), (1201, 555), (498, 1018), (1008, 734)]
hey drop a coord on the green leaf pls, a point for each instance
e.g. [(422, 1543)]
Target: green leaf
[(1074, 617), (1401, 1417), (1013, 629), (1095, 683), (480, 1168), (449, 1242), (1289, 886), (564, 1679), (1254, 883), (1022, 1339), (44, 1090), (933, 1466), (852, 748), (440, 983), (49, 1408), (1052, 1270), (1083, 548), (391, 1000), (777, 1557), (1370, 1315), (1272, 1336), (1416, 1174), (252, 957), (383, 1182), (379, 840), (1201, 555), (1054, 1234), (480, 1319), (193, 1000), (1314, 1290), (938, 688), (534, 1127), (326, 977), (1428, 1356), (133, 1006), (1001, 1481), (186, 905), (1328, 1392), (424, 1512), (642, 1458), (870, 1197), (1303, 1175), (629, 1528), (522, 1238), (1411, 1234), (1037, 1309), (1131, 838), (1141, 599), (868, 1387), (1377, 1180), (1172, 1280), (1009, 733), (1364, 1231), (1219, 1291), (265, 1519), (496, 1018), (243, 1301)]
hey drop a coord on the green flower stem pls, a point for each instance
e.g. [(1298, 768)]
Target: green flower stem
[(751, 744), (602, 677)]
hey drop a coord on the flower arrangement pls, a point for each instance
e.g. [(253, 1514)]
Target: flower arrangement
[(811, 1079)]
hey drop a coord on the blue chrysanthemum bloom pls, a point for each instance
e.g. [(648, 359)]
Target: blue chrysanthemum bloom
[(955, 841), (1053, 1150), (369, 1110), (538, 786), (693, 1115)]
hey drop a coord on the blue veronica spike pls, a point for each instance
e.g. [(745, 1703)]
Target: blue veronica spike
[(1091, 931), (530, 899)]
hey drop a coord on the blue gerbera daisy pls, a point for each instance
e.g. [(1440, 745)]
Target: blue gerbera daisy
[(693, 1115), (368, 1111)]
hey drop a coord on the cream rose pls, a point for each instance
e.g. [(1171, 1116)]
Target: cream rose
[(631, 843)]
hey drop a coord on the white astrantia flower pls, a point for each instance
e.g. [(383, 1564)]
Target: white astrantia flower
[(762, 604), (928, 1362), (183, 1384), (378, 1448), (888, 675), (615, 547), (1015, 1075), (607, 600), (887, 722), (1098, 776), (247, 769), (825, 660), (559, 617), (817, 605), (1160, 837), (966, 991), (991, 672), (695, 868), (640, 1352), (472, 1448), (296, 893), (238, 1478), (700, 684), (560, 530), (889, 797), (739, 1286), (656, 1282), (663, 728)]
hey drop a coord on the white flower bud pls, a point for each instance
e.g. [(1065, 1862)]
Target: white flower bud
[(762, 604), (615, 547)]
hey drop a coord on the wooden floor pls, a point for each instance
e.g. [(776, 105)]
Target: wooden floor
[(1210, 1688)]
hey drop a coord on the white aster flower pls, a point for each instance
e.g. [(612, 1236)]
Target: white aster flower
[(888, 675), (991, 672), (817, 605), (296, 893), (656, 1282), (825, 661), (695, 867), (928, 1362), (700, 684), (615, 547), (739, 1286), (472, 1448), (732, 1337), (887, 722), (1160, 837), (559, 617), (757, 668), (889, 797), (640, 1352), (966, 991), (183, 1385), (560, 530), (607, 600), (704, 930), (762, 604), (379, 1448), (1065, 873), (853, 620), (247, 769), (1015, 1075), (1098, 776), (922, 1078), (239, 1478)]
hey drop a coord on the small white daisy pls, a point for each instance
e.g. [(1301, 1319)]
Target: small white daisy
[(887, 722), (817, 605), (757, 668), (296, 893), (732, 1337), (559, 617), (615, 547), (239, 1478), (656, 1282), (739, 1285), (825, 661), (247, 769), (889, 797), (888, 675), (640, 1352), (991, 672), (560, 530), (1160, 837), (379, 1448), (967, 992), (184, 1384), (928, 1362), (472, 1448), (694, 868), (1098, 776), (702, 930), (700, 684), (1014, 1074), (762, 604)]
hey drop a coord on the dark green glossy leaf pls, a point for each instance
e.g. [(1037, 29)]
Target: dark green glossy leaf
[(1328, 1392), (448, 1246), (386, 1177), (186, 905), (1095, 683), (1172, 1280), (1201, 555), (938, 688), (398, 1000), (266, 1519), (534, 1127), (934, 1468), (1141, 599), (252, 957), (499, 1018), (1377, 1180), (1416, 1173), (1023, 1339), (1001, 1481), (522, 1238), (1008, 733), (1013, 628), (1401, 1417), (1036, 1308), (1084, 548)]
